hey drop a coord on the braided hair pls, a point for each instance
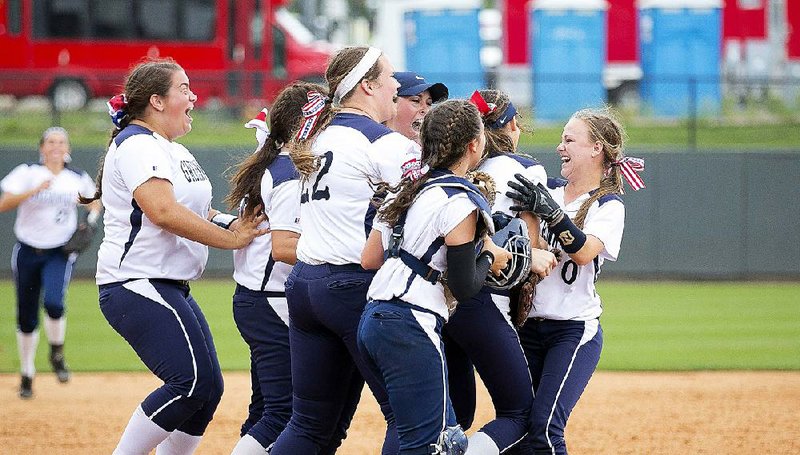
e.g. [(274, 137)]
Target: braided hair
[(149, 77), (341, 64), (285, 118), (604, 127), (445, 135)]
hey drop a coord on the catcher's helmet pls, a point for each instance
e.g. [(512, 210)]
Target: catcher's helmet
[(512, 235)]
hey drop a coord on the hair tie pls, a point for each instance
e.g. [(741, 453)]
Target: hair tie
[(311, 112), (259, 122), (117, 108), (629, 166), (483, 107)]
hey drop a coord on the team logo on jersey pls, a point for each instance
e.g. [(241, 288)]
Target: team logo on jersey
[(566, 238), (192, 171)]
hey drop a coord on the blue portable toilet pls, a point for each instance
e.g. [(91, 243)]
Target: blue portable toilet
[(568, 43), (681, 56), (443, 43)]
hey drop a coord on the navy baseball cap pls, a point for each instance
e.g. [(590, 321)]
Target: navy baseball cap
[(412, 84)]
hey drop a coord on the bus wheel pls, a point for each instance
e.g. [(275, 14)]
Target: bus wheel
[(68, 95)]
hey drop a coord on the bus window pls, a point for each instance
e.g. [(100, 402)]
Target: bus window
[(257, 31), (60, 18), (14, 16), (278, 53), (158, 19), (111, 19), (198, 20)]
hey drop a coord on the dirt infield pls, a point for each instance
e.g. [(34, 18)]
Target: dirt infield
[(620, 413)]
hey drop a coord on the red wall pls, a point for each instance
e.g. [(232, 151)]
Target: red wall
[(738, 23), (622, 44), (793, 27), (515, 36)]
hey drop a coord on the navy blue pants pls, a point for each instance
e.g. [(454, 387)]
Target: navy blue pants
[(267, 335), (35, 269), (404, 347), (165, 326), (259, 316), (325, 307), (480, 333), (562, 356)]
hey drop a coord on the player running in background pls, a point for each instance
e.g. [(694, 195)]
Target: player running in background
[(340, 155), (158, 222), (583, 216), (481, 332), (46, 195), (414, 99), (432, 226)]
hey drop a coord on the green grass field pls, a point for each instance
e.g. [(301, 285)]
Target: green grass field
[(647, 326), (220, 129)]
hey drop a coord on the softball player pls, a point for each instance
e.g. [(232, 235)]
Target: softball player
[(46, 194), (481, 333), (414, 99), (435, 222), (327, 287), (563, 338), (268, 178), (157, 200)]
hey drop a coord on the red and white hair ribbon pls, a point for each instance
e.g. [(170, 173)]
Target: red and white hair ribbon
[(117, 106), (629, 166), (311, 112), (483, 107), (259, 122)]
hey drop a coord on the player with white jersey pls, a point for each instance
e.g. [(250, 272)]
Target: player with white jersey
[(481, 333), (432, 226), (45, 195), (343, 150), (158, 226), (563, 338), (268, 178)]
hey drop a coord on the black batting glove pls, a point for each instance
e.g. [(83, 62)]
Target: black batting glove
[(535, 199)]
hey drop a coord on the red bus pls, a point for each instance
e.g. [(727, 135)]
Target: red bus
[(233, 50)]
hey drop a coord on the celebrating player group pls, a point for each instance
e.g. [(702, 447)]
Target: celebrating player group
[(384, 235)]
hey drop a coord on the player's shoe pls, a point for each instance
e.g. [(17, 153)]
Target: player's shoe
[(58, 363), (26, 388)]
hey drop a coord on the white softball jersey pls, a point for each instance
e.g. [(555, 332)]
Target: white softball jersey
[(568, 293), (133, 247), (49, 218), (434, 213), (336, 215), (502, 169), (253, 266)]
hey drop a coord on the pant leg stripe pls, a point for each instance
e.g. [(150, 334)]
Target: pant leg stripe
[(428, 323), (151, 417), (148, 291), (14, 259), (67, 275), (589, 331)]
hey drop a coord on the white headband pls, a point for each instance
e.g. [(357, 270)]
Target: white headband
[(356, 74)]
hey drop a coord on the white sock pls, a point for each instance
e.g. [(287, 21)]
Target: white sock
[(178, 443), (55, 329), (141, 436), (249, 446), (481, 444), (26, 345)]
